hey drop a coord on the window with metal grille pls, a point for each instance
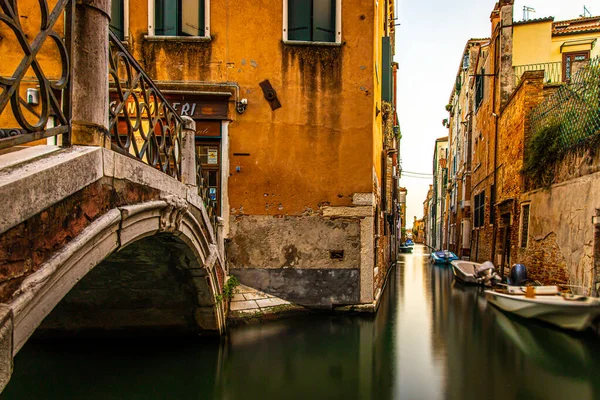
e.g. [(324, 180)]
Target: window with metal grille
[(524, 225), (179, 18), (312, 20)]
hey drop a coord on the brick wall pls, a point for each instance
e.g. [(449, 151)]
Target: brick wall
[(25, 247)]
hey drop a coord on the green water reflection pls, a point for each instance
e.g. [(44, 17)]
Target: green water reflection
[(432, 339)]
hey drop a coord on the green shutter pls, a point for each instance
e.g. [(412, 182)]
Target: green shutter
[(386, 69), (116, 18), (323, 21), (192, 17), (299, 12), (166, 16)]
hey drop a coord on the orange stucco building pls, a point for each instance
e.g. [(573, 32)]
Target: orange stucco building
[(296, 131), (292, 123)]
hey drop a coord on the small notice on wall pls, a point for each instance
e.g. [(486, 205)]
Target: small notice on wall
[(213, 156)]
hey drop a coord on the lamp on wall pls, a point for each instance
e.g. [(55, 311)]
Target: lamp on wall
[(241, 105)]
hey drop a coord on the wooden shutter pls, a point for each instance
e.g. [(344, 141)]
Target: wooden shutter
[(299, 12), (386, 69), (323, 21), (479, 88), (117, 18), (166, 16), (192, 17)]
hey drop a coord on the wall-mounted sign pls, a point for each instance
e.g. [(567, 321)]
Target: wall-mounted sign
[(199, 107), (195, 106)]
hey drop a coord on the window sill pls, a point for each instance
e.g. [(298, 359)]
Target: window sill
[(180, 39), (306, 43)]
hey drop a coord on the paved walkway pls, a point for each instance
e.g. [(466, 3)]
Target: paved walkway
[(248, 303)]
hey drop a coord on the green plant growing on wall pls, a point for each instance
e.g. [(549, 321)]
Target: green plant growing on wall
[(542, 152), (229, 289)]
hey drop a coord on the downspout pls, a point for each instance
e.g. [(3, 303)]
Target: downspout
[(495, 115)]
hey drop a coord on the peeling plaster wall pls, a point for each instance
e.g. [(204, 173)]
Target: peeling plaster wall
[(561, 232), (293, 242), (298, 258)]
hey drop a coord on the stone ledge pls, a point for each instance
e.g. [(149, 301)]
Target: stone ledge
[(363, 199), (359, 211), (31, 187)]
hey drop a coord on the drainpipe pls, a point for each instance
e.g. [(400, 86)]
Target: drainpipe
[(596, 269)]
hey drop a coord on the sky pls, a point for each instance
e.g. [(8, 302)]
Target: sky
[(429, 44)]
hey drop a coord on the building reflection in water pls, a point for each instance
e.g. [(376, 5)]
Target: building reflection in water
[(322, 357), (431, 339)]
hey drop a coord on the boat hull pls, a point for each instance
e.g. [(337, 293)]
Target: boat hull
[(574, 315), (442, 257), (472, 272)]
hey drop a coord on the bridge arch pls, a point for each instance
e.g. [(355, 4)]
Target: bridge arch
[(193, 261)]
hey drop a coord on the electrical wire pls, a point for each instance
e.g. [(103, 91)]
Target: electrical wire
[(416, 173)]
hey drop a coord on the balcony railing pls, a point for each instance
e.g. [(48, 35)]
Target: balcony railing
[(40, 105), (552, 71)]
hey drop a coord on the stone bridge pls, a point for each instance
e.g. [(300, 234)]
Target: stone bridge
[(111, 243), (105, 228)]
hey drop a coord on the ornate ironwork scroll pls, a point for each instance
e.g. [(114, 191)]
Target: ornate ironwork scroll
[(142, 123), (54, 113)]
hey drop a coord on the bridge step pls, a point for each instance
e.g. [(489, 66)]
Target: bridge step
[(251, 304)]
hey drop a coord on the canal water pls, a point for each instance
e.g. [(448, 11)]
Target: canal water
[(431, 339)]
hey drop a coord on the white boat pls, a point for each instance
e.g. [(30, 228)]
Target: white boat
[(475, 273), (566, 311)]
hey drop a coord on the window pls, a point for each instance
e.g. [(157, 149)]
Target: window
[(387, 90), (572, 62), (312, 20), (117, 18), (492, 202), (479, 88), (524, 225), (479, 211), (180, 18)]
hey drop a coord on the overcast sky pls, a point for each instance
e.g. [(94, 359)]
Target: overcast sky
[(429, 45)]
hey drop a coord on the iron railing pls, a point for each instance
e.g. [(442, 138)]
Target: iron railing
[(552, 71), (142, 123), (574, 109), (204, 192), (50, 113)]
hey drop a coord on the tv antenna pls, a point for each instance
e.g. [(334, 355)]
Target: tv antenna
[(526, 11), (586, 12)]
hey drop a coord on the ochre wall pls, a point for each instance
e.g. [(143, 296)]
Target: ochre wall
[(531, 43), (317, 147), (12, 55)]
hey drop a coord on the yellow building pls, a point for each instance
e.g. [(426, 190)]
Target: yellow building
[(558, 47)]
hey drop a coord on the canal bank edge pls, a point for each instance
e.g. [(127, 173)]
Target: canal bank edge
[(369, 307), (251, 306)]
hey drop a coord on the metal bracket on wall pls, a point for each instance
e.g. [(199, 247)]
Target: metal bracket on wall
[(270, 94)]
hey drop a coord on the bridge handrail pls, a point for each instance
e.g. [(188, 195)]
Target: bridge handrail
[(142, 123), (52, 94)]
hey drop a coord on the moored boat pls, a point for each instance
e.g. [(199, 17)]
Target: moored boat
[(475, 273), (566, 311), (405, 248), (443, 257)]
